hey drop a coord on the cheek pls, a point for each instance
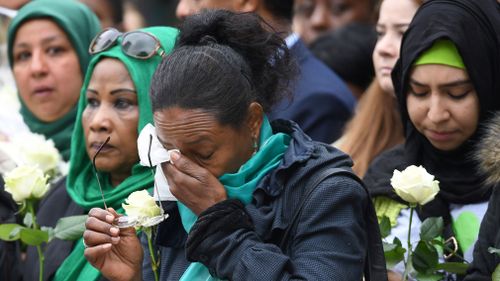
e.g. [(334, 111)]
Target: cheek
[(416, 111), (128, 132), (21, 77)]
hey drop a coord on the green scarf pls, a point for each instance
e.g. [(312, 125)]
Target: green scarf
[(80, 25), (241, 185), (81, 184)]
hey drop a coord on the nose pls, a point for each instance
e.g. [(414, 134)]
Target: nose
[(437, 111), (184, 9), (100, 119), (38, 64), (387, 47), (320, 18)]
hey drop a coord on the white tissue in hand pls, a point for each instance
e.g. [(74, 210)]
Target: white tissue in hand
[(163, 193), (158, 153)]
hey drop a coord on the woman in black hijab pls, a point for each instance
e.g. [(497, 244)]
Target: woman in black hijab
[(468, 30)]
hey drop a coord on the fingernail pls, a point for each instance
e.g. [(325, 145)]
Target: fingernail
[(174, 155), (110, 218), (106, 246), (115, 240), (114, 230)]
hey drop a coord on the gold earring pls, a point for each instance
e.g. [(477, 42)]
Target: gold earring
[(255, 145)]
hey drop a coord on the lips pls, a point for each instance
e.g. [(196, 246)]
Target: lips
[(386, 70), (97, 144), (440, 136), (43, 91)]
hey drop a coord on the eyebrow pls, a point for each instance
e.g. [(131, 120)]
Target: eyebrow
[(446, 85), (397, 25), (115, 91), (44, 41)]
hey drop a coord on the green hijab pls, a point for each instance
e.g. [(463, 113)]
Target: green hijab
[(80, 25), (81, 183)]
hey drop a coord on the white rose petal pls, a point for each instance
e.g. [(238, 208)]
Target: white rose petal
[(39, 151), (26, 182), (415, 185), (141, 205)]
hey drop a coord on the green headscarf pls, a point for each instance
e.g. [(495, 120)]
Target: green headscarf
[(81, 184), (80, 25)]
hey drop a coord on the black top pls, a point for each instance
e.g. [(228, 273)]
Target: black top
[(336, 231)]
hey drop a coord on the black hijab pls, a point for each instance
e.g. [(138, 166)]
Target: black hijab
[(474, 27)]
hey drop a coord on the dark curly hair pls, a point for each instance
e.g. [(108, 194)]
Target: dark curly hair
[(222, 62)]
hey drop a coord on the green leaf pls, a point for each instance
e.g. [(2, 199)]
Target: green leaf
[(34, 237), (492, 250), (425, 257), (50, 232), (10, 231), (496, 274), (70, 228), (431, 228), (28, 220), (385, 227), (453, 267), (394, 253), (429, 277)]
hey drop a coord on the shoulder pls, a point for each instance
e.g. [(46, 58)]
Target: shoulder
[(382, 167), (56, 204), (316, 78)]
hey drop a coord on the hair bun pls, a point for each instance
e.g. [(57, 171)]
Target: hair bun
[(212, 27), (208, 39)]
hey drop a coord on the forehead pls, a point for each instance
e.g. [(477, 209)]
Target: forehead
[(397, 10), (175, 123), (38, 29), (209, 4), (110, 70), (438, 74)]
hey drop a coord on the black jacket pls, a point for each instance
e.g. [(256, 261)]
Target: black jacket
[(9, 251), (330, 241), (484, 262)]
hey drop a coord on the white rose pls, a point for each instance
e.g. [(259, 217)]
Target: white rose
[(141, 205), (26, 182), (36, 150), (415, 185)]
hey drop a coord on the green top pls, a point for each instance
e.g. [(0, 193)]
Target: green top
[(80, 25), (82, 184), (442, 52)]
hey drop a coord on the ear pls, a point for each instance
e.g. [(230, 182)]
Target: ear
[(245, 6), (254, 119)]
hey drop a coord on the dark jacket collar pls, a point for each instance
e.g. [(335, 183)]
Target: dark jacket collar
[(301, 150)]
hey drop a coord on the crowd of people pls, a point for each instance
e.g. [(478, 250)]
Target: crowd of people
[(283, 123)]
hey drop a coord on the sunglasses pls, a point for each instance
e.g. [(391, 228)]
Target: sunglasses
[(136, 44), (126, 221)]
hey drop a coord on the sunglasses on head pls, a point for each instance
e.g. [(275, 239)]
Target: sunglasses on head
[(136, 44)]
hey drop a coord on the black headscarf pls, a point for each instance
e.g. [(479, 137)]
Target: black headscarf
[(474, 27)]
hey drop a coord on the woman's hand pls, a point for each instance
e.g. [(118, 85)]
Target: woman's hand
[(193, 185), (116, 253)]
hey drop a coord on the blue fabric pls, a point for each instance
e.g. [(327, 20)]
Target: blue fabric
[(321, 104), (330, 240)]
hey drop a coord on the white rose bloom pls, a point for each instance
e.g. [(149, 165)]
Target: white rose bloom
[(141, 205), (36, 150), (26, 182), (415, 185)]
